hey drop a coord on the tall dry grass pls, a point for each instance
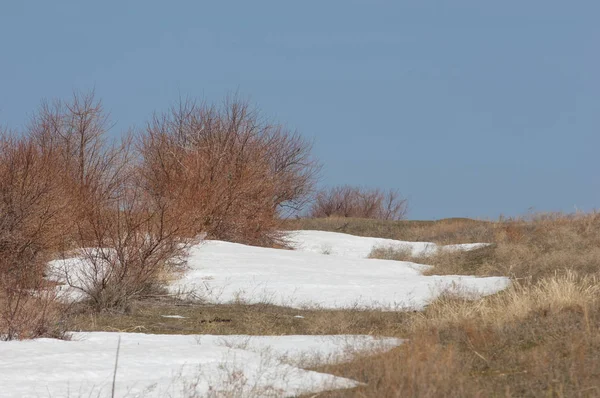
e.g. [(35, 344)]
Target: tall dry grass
[(540, 337), (446, 231), (523, 249)]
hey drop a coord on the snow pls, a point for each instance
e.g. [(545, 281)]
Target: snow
[(223, 272), (344, 245), (326, 270), (173, 365)]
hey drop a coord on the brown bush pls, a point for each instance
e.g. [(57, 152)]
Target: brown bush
[(127, 249), (229, 171), (30, 313), (27, 231), (87, 167), (125, 239), (347, 201), (199, 169)]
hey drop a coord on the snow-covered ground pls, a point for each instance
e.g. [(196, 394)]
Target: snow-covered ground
[(326, 270), (345, 245), (174, 365)]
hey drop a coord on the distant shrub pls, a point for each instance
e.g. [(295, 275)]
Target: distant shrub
[(348, 201)]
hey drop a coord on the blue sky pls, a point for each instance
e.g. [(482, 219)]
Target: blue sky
[(469, 108)]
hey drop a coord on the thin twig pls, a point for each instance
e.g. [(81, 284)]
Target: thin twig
[(115, 370)]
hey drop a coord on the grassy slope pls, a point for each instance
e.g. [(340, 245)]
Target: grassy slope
[(539, 338), (446, 231)]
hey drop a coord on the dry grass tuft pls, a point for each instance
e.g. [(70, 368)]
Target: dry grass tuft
[(542, 339), (564, 291)]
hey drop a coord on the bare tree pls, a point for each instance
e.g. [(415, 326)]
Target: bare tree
[(75, 131)]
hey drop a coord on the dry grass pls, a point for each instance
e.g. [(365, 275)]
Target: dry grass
[(521, 249), (540, 337), (225, 319), (536, 340), (446, 231)]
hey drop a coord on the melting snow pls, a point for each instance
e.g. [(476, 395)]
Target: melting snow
[(171, 365), (224, 272), (174, 365), (338, 244)]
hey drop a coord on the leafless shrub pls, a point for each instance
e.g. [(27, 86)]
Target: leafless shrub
[(229, 171), (27, 231), (347, 201), (129, 215), (73, 133), (127, 240), (29, 313), (135, 247)]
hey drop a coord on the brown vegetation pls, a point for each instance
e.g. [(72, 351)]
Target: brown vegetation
[(534, 340), (446, 231), (229, 171), (224, 172), (129, 209), (346, 201), (124, 237), (521, 248), (537, 338), (28, 218)]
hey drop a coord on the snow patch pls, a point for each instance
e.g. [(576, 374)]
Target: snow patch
[(173, 365), (345, 245), (247, 274), (224, 272)]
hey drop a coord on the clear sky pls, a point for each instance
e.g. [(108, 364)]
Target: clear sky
[(469, 108)]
